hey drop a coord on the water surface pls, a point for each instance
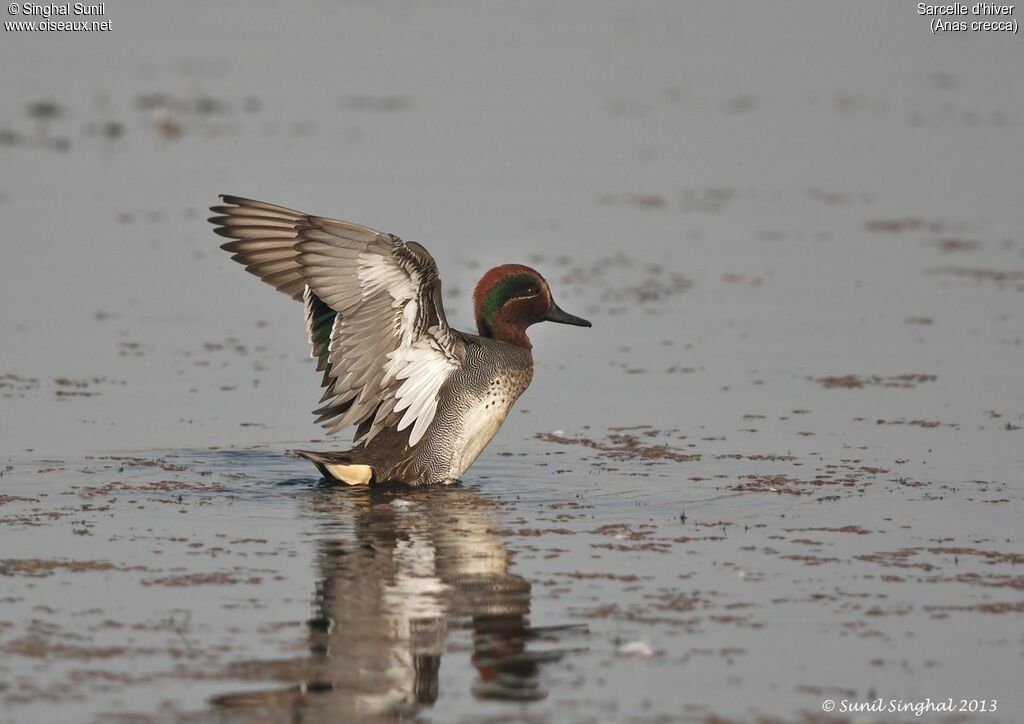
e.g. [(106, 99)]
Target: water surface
[(783, 467)]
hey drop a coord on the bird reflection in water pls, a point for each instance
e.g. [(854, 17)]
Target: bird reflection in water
[(400, 574)]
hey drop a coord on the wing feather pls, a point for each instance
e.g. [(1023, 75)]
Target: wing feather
[(389, 350)]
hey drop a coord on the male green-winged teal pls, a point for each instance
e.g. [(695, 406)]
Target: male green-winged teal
[(425, 398)]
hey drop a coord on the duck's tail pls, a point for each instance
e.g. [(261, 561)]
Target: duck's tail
[(340, 467)]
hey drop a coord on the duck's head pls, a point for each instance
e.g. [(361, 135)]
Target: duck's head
[(511, 297)]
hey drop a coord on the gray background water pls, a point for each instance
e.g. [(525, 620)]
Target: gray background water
[(745, 198)]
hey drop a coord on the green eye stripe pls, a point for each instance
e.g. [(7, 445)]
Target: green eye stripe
[(503, 291)]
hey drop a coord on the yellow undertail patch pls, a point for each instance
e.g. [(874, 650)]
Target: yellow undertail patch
[(351, 474)]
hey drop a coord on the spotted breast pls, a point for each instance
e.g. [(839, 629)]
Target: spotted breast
[(496, 385)]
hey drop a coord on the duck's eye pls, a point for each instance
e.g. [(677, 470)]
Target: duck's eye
[(522, 288), (529, 291)]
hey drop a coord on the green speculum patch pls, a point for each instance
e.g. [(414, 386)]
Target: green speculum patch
[(320, 327)]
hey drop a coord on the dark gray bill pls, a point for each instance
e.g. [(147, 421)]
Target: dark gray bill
[(555, 314)]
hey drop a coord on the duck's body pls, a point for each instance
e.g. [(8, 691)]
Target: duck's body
[(471, 407), (425, 399)]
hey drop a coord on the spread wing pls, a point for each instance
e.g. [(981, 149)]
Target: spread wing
[(373, 311)]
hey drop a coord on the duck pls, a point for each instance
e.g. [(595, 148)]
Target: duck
[(425, 399)]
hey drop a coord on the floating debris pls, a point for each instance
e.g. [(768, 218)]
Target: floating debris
[(853, 382)]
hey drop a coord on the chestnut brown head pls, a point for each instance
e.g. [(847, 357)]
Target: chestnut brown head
[(511, 297)]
